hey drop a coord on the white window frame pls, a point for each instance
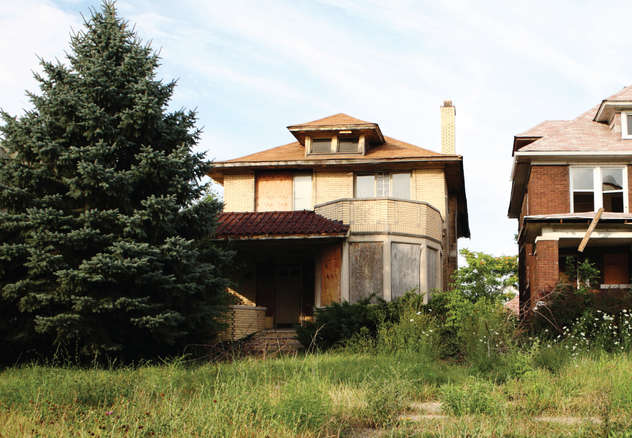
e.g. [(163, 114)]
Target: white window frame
[(624, 125), (598, 185), (390, 184)]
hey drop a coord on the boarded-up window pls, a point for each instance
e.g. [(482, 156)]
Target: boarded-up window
[(273, 191), (432, 256), (303, 192), (321, 145), (615, 268), (331, 261), (366, 264), (405, 261)]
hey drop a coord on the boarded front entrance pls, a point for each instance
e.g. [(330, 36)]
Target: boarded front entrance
[(286, 290)]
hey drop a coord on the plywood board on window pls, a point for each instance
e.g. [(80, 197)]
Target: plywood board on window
[(405, 262), (331, 261), (366, 270), (273, 191), (615, 268)]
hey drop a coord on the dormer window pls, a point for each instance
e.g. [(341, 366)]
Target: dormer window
[(348, 144), (321, 145), (626, 125)]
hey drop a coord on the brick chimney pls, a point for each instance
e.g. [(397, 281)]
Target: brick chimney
[(448, 136)]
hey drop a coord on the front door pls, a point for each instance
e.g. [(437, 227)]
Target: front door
[(288, 293)]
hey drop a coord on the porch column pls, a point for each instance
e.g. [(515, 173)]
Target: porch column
[(344, 272)]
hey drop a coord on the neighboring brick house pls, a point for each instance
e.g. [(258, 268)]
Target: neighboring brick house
[(564, 172), (342, 213)]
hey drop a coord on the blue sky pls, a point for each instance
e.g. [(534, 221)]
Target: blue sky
[(252, 68)]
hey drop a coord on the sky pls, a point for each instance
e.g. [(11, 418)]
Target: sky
[(251, 68)]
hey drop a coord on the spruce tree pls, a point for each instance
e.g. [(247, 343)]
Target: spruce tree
[(105, 247)]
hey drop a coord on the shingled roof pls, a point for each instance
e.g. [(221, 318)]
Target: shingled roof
[(336, 119), (582, 134), (392, 149), (277, 224)]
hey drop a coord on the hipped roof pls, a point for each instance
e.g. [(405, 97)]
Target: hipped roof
[(582, 134)]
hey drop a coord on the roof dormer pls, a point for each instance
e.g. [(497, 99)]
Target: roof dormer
[(337, 134)]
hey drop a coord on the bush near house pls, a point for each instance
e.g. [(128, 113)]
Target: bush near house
[(104, 249)]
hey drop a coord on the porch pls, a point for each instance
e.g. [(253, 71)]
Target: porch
[(287, 262), (550, 256)]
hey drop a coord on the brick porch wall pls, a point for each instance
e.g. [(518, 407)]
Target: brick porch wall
[(547, 270)]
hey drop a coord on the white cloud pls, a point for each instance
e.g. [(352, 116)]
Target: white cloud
[(252, 67), (29, 29)]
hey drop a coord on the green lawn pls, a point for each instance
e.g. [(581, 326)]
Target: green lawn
[(336, 394)]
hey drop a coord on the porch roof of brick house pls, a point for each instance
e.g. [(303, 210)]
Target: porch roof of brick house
[(278, 224)]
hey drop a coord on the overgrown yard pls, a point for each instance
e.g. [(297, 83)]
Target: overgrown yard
[(331, 394)]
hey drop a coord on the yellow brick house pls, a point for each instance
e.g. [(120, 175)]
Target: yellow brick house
[(342, 213)]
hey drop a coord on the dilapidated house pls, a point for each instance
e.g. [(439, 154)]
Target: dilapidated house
[(571, 196), (341, 213)]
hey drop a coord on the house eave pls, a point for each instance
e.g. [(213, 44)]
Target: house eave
[(607, 108), (300, 131)]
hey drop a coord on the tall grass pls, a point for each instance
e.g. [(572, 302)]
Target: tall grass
[(317, 395)]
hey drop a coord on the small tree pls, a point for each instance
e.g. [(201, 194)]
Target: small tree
[(103, 245), (485, 276)]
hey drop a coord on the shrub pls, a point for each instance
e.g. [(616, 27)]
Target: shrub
[(335, 324)]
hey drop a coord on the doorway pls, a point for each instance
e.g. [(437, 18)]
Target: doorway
[(289, 282)]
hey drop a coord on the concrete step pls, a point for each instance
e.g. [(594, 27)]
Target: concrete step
[(274, 341)]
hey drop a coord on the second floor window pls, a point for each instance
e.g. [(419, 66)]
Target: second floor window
[(383, 185), (595, 187), (302, 192)]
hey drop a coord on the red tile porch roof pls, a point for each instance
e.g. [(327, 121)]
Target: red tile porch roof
[(277, 224)]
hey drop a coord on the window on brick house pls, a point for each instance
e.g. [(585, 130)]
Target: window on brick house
[(626, 125), (383, 185), (595, 187)]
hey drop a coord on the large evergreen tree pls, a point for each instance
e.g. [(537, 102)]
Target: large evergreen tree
[(104, 247)]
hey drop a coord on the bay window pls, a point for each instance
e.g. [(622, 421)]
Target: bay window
[(595, 187)]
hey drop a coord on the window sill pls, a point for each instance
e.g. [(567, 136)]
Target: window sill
[(615, 286)]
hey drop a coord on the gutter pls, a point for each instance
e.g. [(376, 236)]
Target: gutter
[(329, 162)]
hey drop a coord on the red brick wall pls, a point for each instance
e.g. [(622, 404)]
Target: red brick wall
[(548, 190), (547, 269)]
